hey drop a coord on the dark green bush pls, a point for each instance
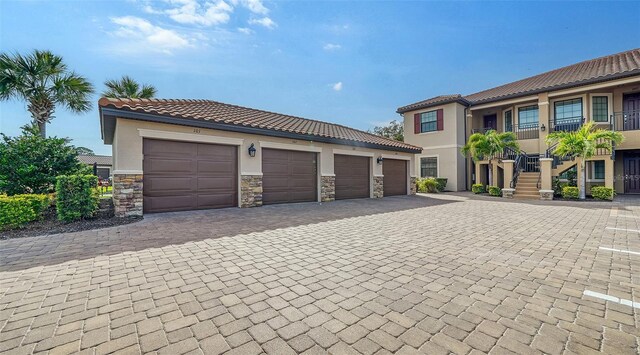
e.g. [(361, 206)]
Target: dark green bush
[(495, 191), (77, 197), (570, 192), (442, 183), (478, 188), (602, 193), (429, 185), (17, 210)]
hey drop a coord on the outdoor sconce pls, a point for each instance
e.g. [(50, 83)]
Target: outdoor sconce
[(542, 128), (380, 159), (252, 150)]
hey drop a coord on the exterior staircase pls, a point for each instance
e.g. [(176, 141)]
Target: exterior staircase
[(527, 186)]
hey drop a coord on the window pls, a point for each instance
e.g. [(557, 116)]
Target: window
[(508, 121), (429, 121), (568, 111), (598, 170), (600, 108), (528, 117), (429, 167)]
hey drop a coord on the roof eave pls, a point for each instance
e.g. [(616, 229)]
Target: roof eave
[(413, 107), (112, 113)]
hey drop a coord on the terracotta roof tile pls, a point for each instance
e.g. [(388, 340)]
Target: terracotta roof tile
[(434, 101), (242, 116)]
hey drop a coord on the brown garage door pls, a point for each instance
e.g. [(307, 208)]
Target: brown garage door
[(395, 177), (187, 176), (288, 176), (352, 176)]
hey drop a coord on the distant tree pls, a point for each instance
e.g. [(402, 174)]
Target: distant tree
[(84, 151), (29, 163), (394, 130), (43, 80), (128, 88)]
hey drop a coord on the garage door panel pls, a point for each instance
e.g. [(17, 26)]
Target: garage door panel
[(395, 177), (288, 176), (183, 176), (352, 176)]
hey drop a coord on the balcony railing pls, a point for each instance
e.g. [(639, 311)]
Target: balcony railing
[(566, 125), (626, 121), (482, 130), (527, 130)]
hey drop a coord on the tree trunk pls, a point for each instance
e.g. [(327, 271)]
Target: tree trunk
[(41, 112), (490, 174), (583, 180), (42, 126)]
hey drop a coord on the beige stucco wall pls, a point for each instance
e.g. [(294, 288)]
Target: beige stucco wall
[(127, 147)]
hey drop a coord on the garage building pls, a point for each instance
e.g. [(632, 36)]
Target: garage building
[(176, 155)]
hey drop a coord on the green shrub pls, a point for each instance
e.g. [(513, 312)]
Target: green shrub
[(442, 183), (478, 188), (602, 193), (429, 185), (495, 191), (570, 192), (77, 197), (16, 211)]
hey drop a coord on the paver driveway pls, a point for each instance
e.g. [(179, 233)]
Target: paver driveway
[(404, 274)]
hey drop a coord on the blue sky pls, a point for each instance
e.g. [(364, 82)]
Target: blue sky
[(350, 62)]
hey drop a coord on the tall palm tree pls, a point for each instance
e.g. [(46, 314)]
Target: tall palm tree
[(583, 144), (489, 146), (43, 80), (126, 87)]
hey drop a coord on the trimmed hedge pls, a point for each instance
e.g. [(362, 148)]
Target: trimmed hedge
[(478, 188), (495, 191), (602, 193), (429, 185), (18, 210), (77, 197), (570, 192), (442, 183)]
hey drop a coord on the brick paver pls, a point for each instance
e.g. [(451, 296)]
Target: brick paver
[(446, 273)]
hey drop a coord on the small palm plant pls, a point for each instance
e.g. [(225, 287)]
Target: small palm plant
[(126, 87), (489, 146), (43, 80), (583, 144)]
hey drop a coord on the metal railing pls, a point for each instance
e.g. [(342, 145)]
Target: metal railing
[(626, 120), (483, 130), (566, 125), (527, 131), (523, 162)]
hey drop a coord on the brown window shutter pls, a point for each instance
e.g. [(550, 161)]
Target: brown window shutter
[(440, 119), (416, 123)]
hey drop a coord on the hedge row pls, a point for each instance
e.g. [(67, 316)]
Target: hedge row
[(18, 210), (77, 197)]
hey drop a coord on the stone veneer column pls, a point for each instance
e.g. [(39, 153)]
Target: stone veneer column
[(507, 191), (127, 194), (328, 188), (378, 186), (250, 191), (546, 183), (413, 181)]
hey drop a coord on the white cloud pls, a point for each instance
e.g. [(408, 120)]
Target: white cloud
[(255, 6), (337, 86), (192, 12), (139, 34), (331, 47), (265, 21), (245, 30)]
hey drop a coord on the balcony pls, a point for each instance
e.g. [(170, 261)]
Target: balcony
[(566, 125), (626, 121), (527, 131)]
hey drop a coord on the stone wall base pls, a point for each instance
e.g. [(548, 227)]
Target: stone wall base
[(328, 188), (378, 186), (546, 194), (413, 181), (127, 195), (250, 191), (508, 193)]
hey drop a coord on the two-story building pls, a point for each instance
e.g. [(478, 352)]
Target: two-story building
[(604, 90)]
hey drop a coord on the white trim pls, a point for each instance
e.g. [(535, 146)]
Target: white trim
[(247, 173), (126, 172), (375, 175), (444, 146), (621, 251), (397, 157), (419, 157), (328, 175), (288, 146), (609, 107), (352, 152), (504, 103), (189, 137), (606, 297), (623, 229)]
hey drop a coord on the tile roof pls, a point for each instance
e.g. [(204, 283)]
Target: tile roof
[(217, 112), (100, 159), (434, 101), (596, 70)]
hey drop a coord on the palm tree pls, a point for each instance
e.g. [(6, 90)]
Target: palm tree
[(43, 80), (489, 146), (583, 144), (126, 87)]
